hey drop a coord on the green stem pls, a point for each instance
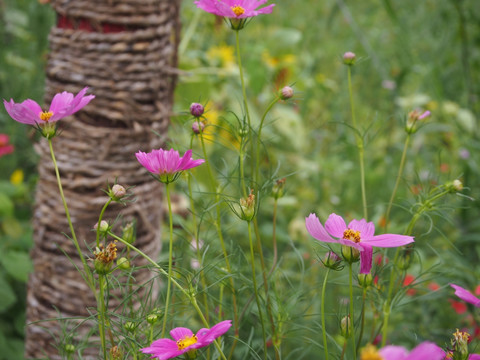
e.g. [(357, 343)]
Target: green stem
[(170, 258), (257, 148), (190, 296), (244, 92), (100, 220), (88, 275), (352, 317), (359, 145), (324, 331), (254, 280), (362, 317), (196, 236), (218, 226), (101, 311), (397, 182), (274, 237)]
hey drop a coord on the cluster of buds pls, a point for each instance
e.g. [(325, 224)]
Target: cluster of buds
[(104, 257), (413, 118), (197, 110)]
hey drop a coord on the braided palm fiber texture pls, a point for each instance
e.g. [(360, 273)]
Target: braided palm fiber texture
[(125, 51)]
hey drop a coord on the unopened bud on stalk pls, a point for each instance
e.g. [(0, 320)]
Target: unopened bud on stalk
[(332, 261), (349, 58), (129, 233), (412, 120), (129, 326), (286, 93), (346, 327), (103, 229), (278, 187), (123, 263), (117, 192), (69, 348), (198, 126), (365, 280), (403, 262), (197, 110), (247, 207), (154, 317), (350, 254)]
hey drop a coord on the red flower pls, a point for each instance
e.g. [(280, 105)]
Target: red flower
[(409, 279)]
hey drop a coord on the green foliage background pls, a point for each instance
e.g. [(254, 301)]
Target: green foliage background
[(411, 54)]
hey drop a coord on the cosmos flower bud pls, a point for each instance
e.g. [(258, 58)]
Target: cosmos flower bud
[(350, 254), (103, 229), (412, 120), (346, 327), (69, 348), (123, 263), (197, 110), (349, 58), (286, 93), (153, 318), (129, 326), (117, 192), (457, 185), (332, 261), (247, 207), (365, 280), (278, 187), (129, 232), (198, 127)]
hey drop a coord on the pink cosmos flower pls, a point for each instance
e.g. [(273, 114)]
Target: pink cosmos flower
[(167, 165), (359, 234), (184, 340), (63, 104), (5, 147), (425, 351), (466, 295), (235, 9)]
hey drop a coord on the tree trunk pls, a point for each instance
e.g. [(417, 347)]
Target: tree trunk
[(125, 51)]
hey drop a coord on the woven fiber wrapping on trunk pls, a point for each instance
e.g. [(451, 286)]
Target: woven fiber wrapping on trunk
[(125, 52)]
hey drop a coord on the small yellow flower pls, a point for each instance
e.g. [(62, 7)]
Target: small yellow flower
[(17, 177), (224, 54)]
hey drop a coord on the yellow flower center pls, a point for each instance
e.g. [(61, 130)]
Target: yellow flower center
[(352, 235), (238, 10), (186, 342), (370, 352), (46, 115)]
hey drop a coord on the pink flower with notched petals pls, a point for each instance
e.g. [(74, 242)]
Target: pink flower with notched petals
[(466, 295), (63, 104), (235, 9), (184, 340), (359, 234), (167, 165)]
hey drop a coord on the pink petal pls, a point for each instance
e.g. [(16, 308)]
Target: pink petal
[(180, 333), (367, 229), (207, 336), (393, 352), (427, 350), (366, 259), (60, 104), (388, 240), (315, 228), (26, 112), (466, 295), (163, 349), (474, 357), (335, 225)]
